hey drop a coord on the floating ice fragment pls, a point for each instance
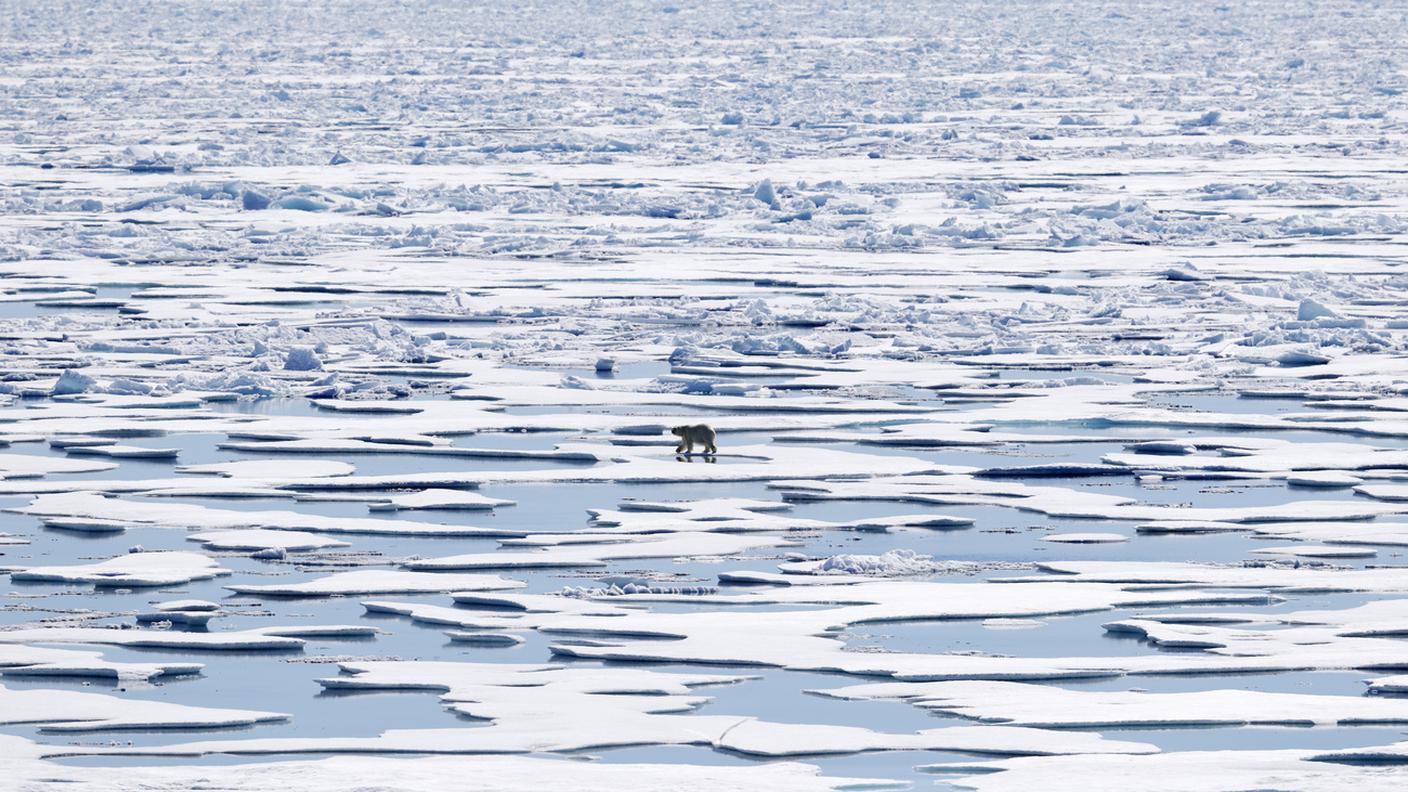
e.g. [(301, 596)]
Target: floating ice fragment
[(135, 569), (19, 660), (1323, 480), (20, 762), (1085, 538), (1317, 551), (1162, 447), (483, 638), (378, 581), (442, 499)]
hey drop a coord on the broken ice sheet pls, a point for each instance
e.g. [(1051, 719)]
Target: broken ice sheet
[(984, 285), (22, 761), (555, 708), (809, 639)]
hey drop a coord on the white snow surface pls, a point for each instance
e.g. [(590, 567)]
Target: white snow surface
[(21, 762)]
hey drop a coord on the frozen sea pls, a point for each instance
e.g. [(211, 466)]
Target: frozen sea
[(1057, 355)]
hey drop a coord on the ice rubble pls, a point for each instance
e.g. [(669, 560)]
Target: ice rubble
[(892, 563)]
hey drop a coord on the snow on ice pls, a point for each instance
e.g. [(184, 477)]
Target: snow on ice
[(1057, 355)]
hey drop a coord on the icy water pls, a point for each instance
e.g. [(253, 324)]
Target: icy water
[(284, 681)]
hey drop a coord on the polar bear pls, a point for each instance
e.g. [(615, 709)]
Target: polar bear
[(702, 434)]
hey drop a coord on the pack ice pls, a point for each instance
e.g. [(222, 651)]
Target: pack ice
[(1057, 355)]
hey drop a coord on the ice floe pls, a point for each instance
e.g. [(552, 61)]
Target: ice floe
[(554, 708), (21, 761), (1044, 706), (132, 570), (378, 581), (72, 711), (19, 660)]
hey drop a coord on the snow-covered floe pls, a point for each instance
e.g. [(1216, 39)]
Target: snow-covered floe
[(806, 639), (22, 762), (1250, 575), (26, 466), (1085, 538), (264, 539), (1182, 771), (261, 639), (555, 708), (129, 571), (378, 581), (441, 499), (1050, 707), (19, 660), (90, 506), (588, 550), (962, 489), (69, 711)]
